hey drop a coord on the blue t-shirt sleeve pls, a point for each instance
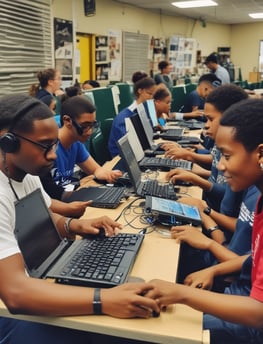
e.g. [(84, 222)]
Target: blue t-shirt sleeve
[(82, 153)]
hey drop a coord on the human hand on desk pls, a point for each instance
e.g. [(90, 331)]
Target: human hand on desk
[(110, 176), (181, 174), (202, 279), (192, 236), (77, 208), (93, 226), (129, 300)]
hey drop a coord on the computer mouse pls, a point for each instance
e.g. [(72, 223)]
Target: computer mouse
[(101, 233)]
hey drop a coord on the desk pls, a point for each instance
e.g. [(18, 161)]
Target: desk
[(157, 258)]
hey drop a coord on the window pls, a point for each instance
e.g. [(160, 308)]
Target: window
[(25, 43)]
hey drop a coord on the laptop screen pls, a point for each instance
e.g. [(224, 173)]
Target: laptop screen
[(129, 158), (35, 231), (151, 111), (146, 125)]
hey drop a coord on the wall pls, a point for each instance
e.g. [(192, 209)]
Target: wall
[(245, 46), (243, 39)]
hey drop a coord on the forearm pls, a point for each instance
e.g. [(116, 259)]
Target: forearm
[(224, 221), (221, 253), (237, 309), (229, 267)]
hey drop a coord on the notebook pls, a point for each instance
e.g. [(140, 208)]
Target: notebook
[(46, 255), (101, 196), (154, 163), (147, 187), (170, 212)]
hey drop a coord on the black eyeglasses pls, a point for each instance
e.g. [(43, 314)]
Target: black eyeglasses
[(47, 148), (85, 126)]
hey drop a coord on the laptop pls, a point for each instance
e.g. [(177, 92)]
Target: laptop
[(107, 261), (154, 163), (146, 135), (101, 196), (169, 212), (146, 187)]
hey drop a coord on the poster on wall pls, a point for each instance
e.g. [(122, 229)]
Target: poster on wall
[(114, 45), (182, 54), (63, 38)]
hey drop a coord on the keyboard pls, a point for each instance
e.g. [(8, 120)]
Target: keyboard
[(103, 262), (153, 188), (165, 164)]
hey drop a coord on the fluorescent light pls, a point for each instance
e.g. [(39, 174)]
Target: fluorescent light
[(256, 15), (193, 3)]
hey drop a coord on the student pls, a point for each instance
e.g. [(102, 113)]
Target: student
[(162, 101), (143, 89), (234, 319), (89, 84), (27, 146), (212, 63), (49, 84), (217, 243), (164, 76), (213, 187), (195, 100), (78, 118)]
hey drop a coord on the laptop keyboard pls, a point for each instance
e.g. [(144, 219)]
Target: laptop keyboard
[(165, 163), (153, 188), (104, 261)]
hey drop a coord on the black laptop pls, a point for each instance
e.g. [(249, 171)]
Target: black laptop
[(146, 187), (96, 261), (101, 196)]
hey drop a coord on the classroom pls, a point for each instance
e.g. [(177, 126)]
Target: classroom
[(131, 173)]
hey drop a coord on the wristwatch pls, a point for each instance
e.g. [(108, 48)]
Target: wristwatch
[(212, 229), (97, 308), (207, 210)]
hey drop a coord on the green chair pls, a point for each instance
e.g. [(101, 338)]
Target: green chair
[(190, 87), (104, 102), (126, 95), (178, 98), (99, 148)]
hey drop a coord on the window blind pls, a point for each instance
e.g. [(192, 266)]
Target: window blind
[(135, 54), (25, 43)]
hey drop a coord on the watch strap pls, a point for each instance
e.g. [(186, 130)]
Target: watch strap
[(212, 229), (97, 307), (207, 210)]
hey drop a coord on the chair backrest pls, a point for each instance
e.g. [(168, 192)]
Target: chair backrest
[(126, 95), (190, 87), (178, 96), (99, 148), (104, 102)]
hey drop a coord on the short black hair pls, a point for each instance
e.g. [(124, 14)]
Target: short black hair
[(163, 64), (143, 83), (136, 76), (75, 106), (247, 118), (225, 95), (19, 111), (92, 83), (161, 93), (211, 58), (210, 77)]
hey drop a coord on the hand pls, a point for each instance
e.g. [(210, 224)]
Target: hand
[(129, 300), (108, 175), (199, 203), (77, 208), (166, 293), (180, 174), (202, 279), (192, 236), (178, 153), (92, 226)]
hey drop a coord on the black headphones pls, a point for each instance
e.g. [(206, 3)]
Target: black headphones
[(9, 142)]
